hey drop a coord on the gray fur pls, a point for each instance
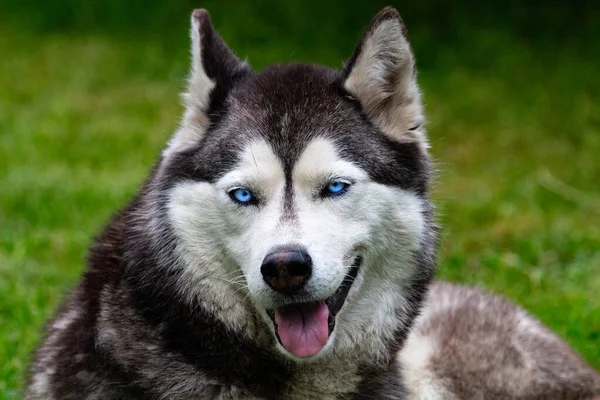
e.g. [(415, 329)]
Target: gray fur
[(468, 344)]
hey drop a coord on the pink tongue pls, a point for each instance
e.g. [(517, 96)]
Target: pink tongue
[(303, 329)]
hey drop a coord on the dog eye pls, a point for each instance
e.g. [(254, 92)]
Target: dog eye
[(336, 188), (242, 196)]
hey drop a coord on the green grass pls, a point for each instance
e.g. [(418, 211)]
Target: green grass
[(514, 126)]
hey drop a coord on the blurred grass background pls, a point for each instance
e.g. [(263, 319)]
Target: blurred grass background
[(89, 95)]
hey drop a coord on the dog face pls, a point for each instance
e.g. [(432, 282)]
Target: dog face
[(303, 188)]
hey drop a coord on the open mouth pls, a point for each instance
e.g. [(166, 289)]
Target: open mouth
[(303, 329)]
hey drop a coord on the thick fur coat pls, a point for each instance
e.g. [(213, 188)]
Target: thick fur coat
[(295, 177)]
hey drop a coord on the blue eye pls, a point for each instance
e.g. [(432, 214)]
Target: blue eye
[(335, 188), (242, 196)]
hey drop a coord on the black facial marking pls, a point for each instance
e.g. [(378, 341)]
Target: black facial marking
[(272, 105), (262, 100), (289, 210)]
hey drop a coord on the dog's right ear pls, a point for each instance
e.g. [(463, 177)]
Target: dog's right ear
[(214, 71)]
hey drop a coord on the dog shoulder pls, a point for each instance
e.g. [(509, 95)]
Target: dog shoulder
[(470, 344)]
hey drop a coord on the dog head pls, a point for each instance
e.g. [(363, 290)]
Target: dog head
[(303, 190)]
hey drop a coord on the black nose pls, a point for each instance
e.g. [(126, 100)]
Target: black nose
[(286, 270)]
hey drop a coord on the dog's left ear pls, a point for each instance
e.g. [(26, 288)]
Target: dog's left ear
[(214, 71), (381, 75)]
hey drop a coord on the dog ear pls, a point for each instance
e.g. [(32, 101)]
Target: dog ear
[(381, 75), (213, 73)]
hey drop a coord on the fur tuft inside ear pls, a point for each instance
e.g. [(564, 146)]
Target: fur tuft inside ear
[(381, 75), (214, 70)]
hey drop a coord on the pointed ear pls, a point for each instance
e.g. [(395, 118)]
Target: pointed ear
[(381, 75), (214, 71)]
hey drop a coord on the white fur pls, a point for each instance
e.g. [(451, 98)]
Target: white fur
[(218, 237), (64, 321), (416, 370), (198, 218)]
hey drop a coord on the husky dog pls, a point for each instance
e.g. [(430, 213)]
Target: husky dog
[(282, 248)]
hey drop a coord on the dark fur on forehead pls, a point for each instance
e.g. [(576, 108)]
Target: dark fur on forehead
[(289, 105)]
